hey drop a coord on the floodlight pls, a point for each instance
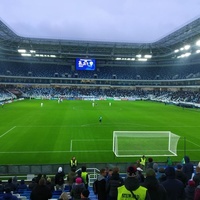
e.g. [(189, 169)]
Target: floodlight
[(26, 54), (148, 56), (186, 47), (198, 43), (21, 50), (142, 59)]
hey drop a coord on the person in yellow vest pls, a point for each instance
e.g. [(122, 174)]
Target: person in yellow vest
[(131, 188), (84, 176), (143, 162), (73, 164)]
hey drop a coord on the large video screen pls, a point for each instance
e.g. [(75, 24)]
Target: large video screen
[(85, 64)]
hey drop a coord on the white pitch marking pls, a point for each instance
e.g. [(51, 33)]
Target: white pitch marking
[(8, 131)]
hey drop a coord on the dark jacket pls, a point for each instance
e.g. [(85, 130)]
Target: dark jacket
[(189, 192), (101, 188), (59, 178), (76, 190), (188, 168), (114, 182), (197, 193), (174, 188), (155, 189), (181, 176), (41, 192)]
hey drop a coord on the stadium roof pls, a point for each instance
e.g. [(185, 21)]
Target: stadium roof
[(164, 48)]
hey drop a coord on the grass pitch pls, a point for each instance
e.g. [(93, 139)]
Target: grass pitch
[(52, 134)]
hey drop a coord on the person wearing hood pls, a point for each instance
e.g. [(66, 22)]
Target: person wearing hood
[(173, 186), (131, 188), (101, 185), (188, 168), (59, 179), (155, 189)]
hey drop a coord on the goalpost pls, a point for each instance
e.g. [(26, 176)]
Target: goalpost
[(148, 143)]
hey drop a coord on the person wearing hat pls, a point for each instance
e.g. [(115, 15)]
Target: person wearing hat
[(131, 188), (59, 179), (173, 186), (85, 194), (155, 189), (188, 168), (180, 175), (77, 188)]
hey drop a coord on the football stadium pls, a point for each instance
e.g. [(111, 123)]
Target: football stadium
[(106, 103)]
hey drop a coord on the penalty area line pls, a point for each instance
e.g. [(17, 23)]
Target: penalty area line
[(193, 143), (8, 131)]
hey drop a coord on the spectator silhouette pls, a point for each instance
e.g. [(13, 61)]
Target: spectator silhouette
[(190, 190), (59, 179), (10, 185), (77, 188), (180, 175), (41, 191), (188, 167), (8, 195), (85, 194), (71, 178), (101, 185), (196, 177), (113, 183), (132, 188), (174, 187), (155, 189)]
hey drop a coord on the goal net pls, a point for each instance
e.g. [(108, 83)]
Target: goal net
[(148, 143)]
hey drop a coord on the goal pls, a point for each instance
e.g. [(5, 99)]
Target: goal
[(148, 143)]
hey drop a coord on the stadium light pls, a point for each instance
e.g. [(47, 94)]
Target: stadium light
[(198, 51), (139, 56), (176, 51), (184, 55), (26, 54), (198, 43), (148, 56), (186, 47), (142, 59), (21, 50)]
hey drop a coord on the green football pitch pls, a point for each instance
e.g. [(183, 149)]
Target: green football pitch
[(52, 134)]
